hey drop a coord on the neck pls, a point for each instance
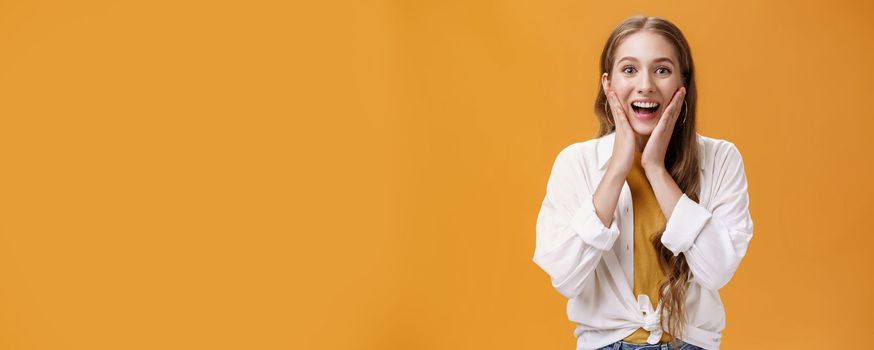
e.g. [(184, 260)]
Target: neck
[(641, 141)]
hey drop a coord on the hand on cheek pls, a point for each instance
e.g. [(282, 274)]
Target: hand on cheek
[(625, 141), (654, 152)]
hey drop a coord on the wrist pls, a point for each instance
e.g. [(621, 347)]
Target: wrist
[(614, 174), (655, 170)]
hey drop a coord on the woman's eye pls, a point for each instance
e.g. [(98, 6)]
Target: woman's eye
[(629, 70)]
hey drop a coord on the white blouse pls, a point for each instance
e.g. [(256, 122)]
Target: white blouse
[(592, 265)]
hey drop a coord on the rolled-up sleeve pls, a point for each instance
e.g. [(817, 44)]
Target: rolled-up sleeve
[(570, 237), (714, 241)]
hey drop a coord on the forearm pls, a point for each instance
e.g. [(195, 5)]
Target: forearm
[(665, 188), (606, 196)]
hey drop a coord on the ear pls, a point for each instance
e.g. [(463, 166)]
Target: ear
[(605, 82)]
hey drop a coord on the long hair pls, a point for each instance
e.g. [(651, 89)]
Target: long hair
[(681, 157)]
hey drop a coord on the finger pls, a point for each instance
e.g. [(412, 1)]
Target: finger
[(681, 98), (612, 103), (618, 112), (609, 94), (674, 106), (671, 114)]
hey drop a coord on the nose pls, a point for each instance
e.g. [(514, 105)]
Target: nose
[(645, 84)]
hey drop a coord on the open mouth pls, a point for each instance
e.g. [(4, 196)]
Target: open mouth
[(645, 110)]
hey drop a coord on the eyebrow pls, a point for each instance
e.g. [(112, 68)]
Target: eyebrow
[(660, 59)]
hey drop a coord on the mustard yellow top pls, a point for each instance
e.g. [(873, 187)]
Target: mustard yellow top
[(648, 221)]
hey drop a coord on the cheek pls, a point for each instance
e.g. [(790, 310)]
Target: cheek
[(622, 86), (671, 86)]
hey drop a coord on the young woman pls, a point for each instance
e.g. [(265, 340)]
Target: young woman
[(641, 226)]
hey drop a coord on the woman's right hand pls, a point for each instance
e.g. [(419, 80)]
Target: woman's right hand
[(625, 142)]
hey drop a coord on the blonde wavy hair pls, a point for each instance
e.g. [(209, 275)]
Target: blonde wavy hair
[(681, 157)]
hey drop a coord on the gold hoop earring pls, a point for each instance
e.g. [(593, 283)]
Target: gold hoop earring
[(687, 111), (606, 114)]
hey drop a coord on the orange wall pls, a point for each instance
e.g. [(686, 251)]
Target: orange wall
[(254, 175)]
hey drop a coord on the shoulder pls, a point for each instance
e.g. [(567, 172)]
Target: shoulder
[(718, 152), (577, 162), (579, 152), (579, 147)]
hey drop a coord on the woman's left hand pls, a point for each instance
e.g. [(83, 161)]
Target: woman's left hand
[(653, 156)]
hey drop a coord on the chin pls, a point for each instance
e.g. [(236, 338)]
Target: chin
[(643, 130)]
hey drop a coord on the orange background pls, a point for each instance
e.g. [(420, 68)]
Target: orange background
[(257, 175)]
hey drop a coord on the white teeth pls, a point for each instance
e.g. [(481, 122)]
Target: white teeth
[(645, 104)]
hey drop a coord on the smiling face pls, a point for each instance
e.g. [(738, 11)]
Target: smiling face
[(645, 69)]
